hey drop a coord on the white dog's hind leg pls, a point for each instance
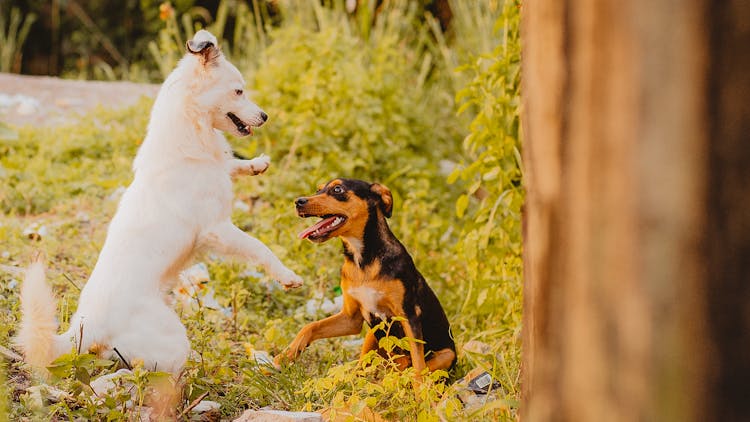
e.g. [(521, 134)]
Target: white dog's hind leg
[(156, 337), (252, 167), (227, 239)]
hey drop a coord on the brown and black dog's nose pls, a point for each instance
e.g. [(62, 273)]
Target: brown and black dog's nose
[(299, 202)]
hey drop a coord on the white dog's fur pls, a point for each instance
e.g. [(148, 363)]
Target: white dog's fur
[(179, 203)]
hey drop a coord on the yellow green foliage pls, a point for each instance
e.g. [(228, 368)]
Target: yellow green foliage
[(349, 96)]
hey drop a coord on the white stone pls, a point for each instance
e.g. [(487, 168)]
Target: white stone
[(27, 106), (241, 206), (206, 406), (474, 346), (106, 383), (263, 415)]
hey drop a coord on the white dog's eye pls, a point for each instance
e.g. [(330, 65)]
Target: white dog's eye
[(338, 189), (238, 91)]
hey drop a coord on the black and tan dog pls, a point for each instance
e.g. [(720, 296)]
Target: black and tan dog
[(379, 279)]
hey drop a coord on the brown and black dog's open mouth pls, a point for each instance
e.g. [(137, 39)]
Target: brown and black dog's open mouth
[(244, 128), (343, 205), (322, 228)]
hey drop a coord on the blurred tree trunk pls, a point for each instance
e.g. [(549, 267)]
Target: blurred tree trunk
[(637, 222)]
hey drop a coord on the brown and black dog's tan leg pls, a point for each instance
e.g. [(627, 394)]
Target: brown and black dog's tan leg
[(370, 343), (442, 359), (413, 330), (348, 321)]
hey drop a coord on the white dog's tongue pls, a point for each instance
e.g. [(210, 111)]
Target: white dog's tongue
[(322, 224)]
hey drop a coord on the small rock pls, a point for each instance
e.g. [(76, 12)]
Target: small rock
[(193, 289), (116, 194), (27, 105), (447, 167), (353, 343), (278, 416), (206, 406), (83, 217), (474, 346), (328, 306), (43, 392), (241, 206), (472, 401), (106, 383), (345, 415), (261, 357)]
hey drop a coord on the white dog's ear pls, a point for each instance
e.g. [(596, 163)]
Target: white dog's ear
[(204, 44)]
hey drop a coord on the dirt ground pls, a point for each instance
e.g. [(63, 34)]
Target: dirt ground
[(43, 100)]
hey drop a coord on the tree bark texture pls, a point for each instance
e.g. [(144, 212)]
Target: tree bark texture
[(637, 221)]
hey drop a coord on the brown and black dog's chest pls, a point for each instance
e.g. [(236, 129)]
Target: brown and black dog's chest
[(377, 297)]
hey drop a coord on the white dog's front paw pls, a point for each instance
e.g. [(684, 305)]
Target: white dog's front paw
[(288, 279), (260, 164)]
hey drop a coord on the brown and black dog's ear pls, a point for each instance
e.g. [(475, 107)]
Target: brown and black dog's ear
[(204, 44), (386, 199)]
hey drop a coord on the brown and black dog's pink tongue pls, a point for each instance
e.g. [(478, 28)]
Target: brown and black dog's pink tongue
[(304, 234)]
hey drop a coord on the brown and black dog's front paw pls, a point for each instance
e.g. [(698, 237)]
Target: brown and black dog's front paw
[(294, 349)]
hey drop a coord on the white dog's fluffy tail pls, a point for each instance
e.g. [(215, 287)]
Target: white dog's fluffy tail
[(37, 335)]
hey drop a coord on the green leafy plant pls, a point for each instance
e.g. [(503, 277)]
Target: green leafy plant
[(491, 238), (493, 168), (375, 383)]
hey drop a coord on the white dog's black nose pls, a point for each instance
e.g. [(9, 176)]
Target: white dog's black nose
[(263, 116), (300, 202)]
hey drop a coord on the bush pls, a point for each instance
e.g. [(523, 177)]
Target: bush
[(351, 96)]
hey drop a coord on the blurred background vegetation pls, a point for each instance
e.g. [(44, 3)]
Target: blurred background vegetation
[(420, 96), (110, 39)]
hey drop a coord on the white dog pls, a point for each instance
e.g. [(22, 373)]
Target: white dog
[(179, 203)]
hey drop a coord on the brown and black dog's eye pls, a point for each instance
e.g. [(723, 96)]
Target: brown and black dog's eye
[(337, 189)]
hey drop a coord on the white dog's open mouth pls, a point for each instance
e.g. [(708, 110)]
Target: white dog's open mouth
[(242, 127)]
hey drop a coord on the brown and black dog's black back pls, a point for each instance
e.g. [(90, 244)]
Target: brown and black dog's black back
[(379, 279)]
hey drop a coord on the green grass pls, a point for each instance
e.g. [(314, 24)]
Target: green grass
[(377, 106), (63, 179)]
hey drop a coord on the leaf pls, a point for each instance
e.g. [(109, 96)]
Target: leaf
[(461, 204), (60, 369), (82, 374), (358, 406), (482, 297)]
